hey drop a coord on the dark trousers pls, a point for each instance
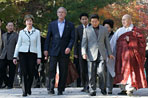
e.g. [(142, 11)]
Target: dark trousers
[(84, 72), (41, 69), (4, 64), (109, 81), (28, 61), (146, 66), (95, 67), (37, 77), (40, 75), (63, 69), (76, 62)]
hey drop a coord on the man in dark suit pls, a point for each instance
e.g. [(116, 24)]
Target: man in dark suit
[(9, 40), (59, 43), (39, 73), (83, 67)]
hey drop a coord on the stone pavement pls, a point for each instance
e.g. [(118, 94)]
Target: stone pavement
[(69, 93)]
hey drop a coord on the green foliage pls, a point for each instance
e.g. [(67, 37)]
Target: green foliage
[(44, 11)]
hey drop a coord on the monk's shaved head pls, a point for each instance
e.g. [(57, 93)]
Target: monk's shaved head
[(126, 20), (127, 16)]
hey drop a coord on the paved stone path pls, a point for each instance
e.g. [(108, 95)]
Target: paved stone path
[(69, 93)]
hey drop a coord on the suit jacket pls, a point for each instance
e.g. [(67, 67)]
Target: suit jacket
[(55, 44), (78, 40), (28, 42), (8, 46), (42, 48), (2, 32), (91, 44)]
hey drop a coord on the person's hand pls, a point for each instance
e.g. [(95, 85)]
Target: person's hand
[(145, 59), (15, 61), (84, 56), (46, 55), (46, 58), (76, 56), (38, 61), (67, 50), (127, 38), (111, 57)]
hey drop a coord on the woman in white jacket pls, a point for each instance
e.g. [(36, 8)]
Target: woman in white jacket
[(28, 50)]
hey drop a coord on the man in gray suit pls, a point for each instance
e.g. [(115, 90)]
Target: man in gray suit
[(9, 40), (96, 48)]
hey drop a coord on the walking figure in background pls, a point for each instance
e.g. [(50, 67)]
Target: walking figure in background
[(83, 67)]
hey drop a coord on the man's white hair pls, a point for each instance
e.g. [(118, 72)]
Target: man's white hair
[(62, 8)]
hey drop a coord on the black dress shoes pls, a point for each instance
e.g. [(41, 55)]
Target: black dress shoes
[(29, 92), (85, 90), (103, 92), (9, 87), (122, 93), (92, 94), (4, 86), (51, 92), (0, 86), (60, 93), (24, 94), (110, 92)]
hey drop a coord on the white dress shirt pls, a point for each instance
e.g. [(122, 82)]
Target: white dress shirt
[(61, 26), (85, 26)]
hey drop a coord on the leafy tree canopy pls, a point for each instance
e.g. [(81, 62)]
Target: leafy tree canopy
[(44, 11)]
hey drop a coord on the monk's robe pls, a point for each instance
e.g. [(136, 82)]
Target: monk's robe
[(130, 59)]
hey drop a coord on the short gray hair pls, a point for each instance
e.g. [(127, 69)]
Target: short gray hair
[(62, 8)]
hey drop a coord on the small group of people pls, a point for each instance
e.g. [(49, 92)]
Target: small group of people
[(114, 58)]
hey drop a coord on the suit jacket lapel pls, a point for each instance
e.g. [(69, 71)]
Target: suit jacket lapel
[(10, 37), (93, 32), (26, 32), (5, 39), (100, 31), (65, 27), (29, 34), (33, 30), (56, 28), (81, 31)]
